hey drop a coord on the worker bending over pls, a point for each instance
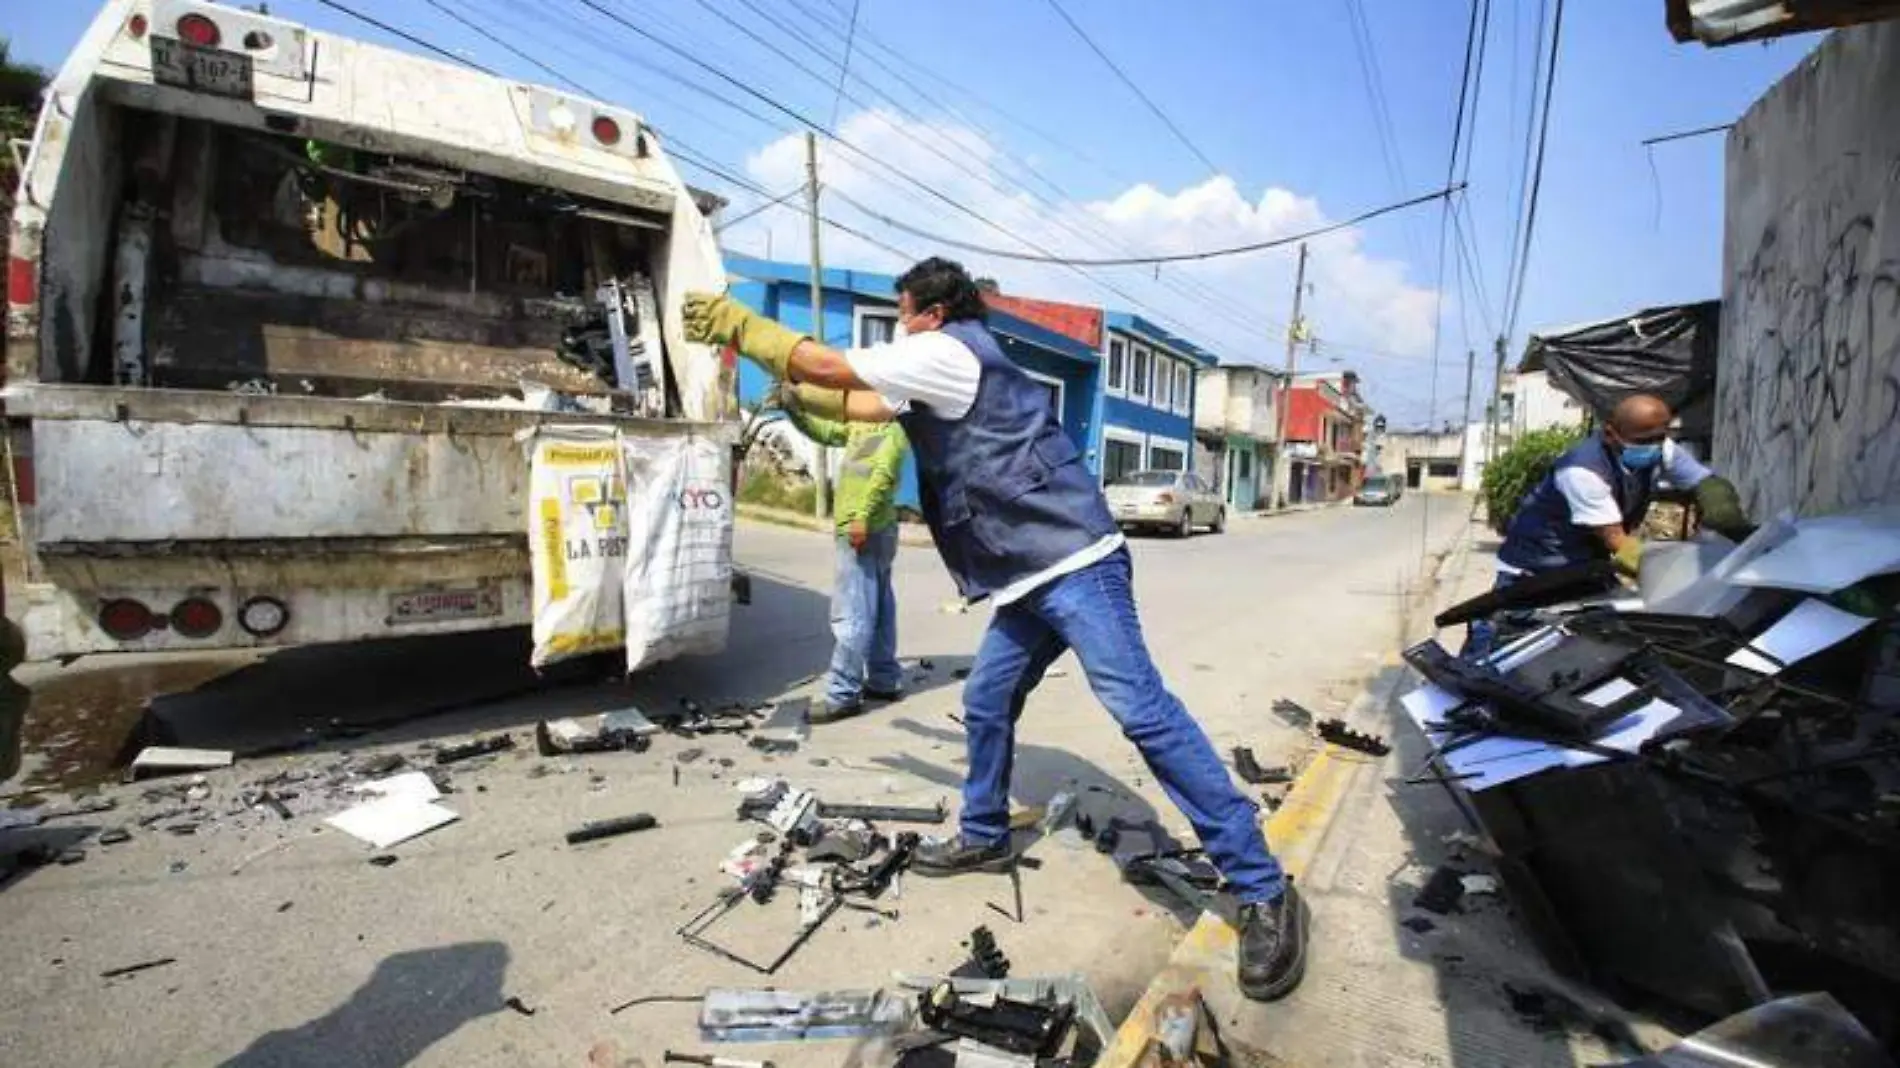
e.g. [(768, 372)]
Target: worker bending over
[(1591, 504), (1019, 520)]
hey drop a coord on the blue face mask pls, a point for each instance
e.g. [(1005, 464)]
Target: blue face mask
[(1641, 457)]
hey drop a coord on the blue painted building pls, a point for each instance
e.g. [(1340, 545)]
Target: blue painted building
[(1149, 378), (860, 309)]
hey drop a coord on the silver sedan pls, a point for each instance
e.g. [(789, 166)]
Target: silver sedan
[(1174, 501)]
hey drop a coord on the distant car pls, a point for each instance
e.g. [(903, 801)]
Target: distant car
[(1381, 491), (1174, 501)]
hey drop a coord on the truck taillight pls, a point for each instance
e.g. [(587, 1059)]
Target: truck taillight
[(196, 617), (136, 26), (199, 30), (606, 130), (124, 619), (23, 281)]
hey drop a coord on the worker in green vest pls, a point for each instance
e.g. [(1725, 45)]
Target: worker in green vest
[(863, 604)]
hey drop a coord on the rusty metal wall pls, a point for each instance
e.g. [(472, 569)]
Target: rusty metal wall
[(1808, 383)]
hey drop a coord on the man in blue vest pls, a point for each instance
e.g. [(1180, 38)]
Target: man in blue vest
[(1020, 521), (1591, 504)]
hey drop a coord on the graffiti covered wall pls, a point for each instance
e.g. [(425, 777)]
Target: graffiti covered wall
[(1808, 387)]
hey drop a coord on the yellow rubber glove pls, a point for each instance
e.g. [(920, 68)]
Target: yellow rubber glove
[(714, 319), (1629, 559), (819, 401)]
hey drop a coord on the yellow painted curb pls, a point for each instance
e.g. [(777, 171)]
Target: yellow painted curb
[(1206, 952)]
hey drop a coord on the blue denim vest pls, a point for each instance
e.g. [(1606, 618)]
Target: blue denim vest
[(1003, 489), (1543, 538)]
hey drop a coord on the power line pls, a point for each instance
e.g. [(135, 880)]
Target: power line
[(844, 69), (1521, 185), (1516, 299), (1177, 257), (1683, 135), (1132, 87), (767, 206)]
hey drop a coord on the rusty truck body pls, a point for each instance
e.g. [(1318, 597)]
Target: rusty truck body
[(277, 302)]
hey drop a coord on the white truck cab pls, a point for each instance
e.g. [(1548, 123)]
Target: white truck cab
[(281, 306)]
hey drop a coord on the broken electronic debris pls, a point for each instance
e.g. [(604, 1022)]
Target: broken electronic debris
[(1337, 733), (673, 1057), (733, 1015), (986, 957), (1014, 1026), (1443, 893), (167, 760), (1250, 771), (477, 748), (1293, 713), (822, 892), (588, 832), (761, 802), (610, 732)]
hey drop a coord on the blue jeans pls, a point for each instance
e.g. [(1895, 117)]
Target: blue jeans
[(864, 620), (1481, 635), (1093, 612)]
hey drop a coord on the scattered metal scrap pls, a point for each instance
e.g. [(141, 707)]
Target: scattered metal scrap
[(1337, 733), (131, 969), (596, 829), (478, 748), (1247, 766)]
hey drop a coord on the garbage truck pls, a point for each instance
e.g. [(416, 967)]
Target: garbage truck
[(283, 308)]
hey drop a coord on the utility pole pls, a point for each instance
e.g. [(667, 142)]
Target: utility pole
[(821, 472), (1464, 425), (1497, 400), (1282, 469)]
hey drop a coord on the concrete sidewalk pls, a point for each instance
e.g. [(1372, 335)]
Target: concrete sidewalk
[(1387, 983)]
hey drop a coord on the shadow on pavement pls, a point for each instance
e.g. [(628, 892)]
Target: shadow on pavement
[(411, 1001), (1501, 1002), (92, 717), (1040, 773), (24, 850)]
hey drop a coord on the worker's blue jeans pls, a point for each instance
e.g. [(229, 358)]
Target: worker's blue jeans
[(864, 620), (1093, 612), (1481, 635)]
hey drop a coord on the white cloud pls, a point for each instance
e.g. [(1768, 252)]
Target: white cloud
[(1236, 307)]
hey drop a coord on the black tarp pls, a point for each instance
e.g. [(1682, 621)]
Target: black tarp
[(1668, 351)]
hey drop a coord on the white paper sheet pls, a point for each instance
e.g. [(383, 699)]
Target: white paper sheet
[(413, 784), (1829, 553), (1499, 759), (1809, 628), (389, 820)]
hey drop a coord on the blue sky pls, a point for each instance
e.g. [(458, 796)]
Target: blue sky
[(1274, 94)]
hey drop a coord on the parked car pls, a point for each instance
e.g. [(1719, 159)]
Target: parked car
[(1381, 490), (1175, 501)]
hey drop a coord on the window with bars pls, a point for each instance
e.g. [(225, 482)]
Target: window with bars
[(1117, 369)]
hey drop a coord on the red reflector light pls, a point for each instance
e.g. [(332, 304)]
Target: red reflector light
[(196, 617), (136, 27), (199, 30), (606, 131), (125, 619), (1165, 498)]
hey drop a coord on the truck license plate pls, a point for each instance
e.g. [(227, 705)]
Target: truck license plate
[(435, 606), (209, 70)]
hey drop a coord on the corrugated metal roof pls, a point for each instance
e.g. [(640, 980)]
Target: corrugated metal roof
[(1726, 22)]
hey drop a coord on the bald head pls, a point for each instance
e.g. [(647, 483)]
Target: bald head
[(1639, 419)]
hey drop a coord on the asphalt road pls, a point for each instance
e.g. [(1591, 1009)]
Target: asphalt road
[(288, 948)]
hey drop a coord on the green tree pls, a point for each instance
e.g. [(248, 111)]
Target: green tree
[(20, 89), (1521, 467)]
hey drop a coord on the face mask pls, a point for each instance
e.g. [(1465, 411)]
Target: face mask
[(1642, 457)]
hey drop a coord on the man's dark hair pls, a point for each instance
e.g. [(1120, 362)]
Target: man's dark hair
[(940, 281)]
